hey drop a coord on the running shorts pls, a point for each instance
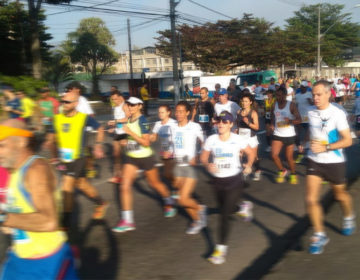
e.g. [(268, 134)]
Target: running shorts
[(76, 168), (253, 142), (334, 173), (187, 171), (146, 163), (59, 265), (118, 137), (287, 141), (226, 183)]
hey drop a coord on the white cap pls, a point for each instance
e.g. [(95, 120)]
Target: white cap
[(134, 100), (304, 84), (277, 84)]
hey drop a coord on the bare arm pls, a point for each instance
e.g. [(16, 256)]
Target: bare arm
[(40, 183), (295, 112), (344, 142)]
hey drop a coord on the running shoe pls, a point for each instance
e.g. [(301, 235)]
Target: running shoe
[(246, 211), (124, 226), (100, 211), (203, 215), (257, 175), (293, 179), (195, 227), (348, 227), (318, 243), (175, 195), (299, 158), (217, 257), (169, 211), (281, 176)]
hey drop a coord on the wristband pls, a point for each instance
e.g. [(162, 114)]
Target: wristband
[(328, 147)]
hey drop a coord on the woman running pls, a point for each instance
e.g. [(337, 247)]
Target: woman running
[(139, 155), (225, 148), (284, 116), (162, 131)]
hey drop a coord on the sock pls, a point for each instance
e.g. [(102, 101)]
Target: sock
[(352, 217), (168, 200), (128, 216), (221, 248), (320, 233)]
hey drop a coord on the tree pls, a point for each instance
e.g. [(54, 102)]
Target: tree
[(15, 38), (90, 45), (35, 46), (341, 33), (58, 70)]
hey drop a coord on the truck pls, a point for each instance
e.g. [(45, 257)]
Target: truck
[(263, 76)]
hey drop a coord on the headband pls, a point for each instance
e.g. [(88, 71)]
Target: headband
[(7, 131)]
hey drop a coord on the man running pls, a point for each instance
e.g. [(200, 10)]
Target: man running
[(69, 130), (49, 106), (329, 134), (39, 249), (203, 112), (226, 105)]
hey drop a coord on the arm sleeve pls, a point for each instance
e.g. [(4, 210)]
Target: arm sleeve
[(207, 145), (341, 121), (144, 125), (90, 121)]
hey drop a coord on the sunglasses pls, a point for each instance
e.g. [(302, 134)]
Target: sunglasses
[(66, 102), (223, 121), (132, 105)]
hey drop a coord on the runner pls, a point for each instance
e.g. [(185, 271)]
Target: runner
[(269, 103), (259, 95), (162, 131), (329, 134), (248, 125), (48, 106), (284, 116), (12, 105), (27, 107), (184, 138), (69, 133), (39, 249), (121, 114), (228, 180), (356, 116), (226, 105), (303, 100), (203, 112), (139, 155)]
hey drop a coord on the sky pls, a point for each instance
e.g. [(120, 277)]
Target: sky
[(63, 19)]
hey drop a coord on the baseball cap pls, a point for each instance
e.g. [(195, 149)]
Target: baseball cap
[(134, 100), (304, 84), (225, 116), (222, 91)]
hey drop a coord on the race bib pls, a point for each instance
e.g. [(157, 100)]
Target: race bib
[(203, 118), (244, 132), (46, 121), (132, 146), (222, 165), (67, 155), (282, 124), (268, 115), (119, 125), (182, 159), (20, 236)]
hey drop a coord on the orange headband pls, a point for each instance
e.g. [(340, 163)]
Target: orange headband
[(6, 131)]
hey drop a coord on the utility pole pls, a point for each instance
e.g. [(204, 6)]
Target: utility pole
[(181, 68), (173, 4), (318, 70), (130, 57)]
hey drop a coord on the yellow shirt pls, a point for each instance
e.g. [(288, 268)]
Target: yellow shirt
[(144, 94), (27, 107)]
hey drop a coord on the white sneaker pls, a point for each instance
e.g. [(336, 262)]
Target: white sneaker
[(257, 175), (246, 211), (217, 257), (195, 227)]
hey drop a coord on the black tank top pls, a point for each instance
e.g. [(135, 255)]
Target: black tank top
[(242, 124)]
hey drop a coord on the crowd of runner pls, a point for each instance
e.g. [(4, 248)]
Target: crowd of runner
[(218, 132)]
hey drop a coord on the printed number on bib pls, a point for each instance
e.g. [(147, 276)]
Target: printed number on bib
[(222, 164), (132, 146), (119, 125), (282, 124), (203, 118), (244, 132), (67, 155)]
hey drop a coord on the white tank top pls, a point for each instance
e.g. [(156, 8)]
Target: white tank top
[(118, 115), (282, 129)]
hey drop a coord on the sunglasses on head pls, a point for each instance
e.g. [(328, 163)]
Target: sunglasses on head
[(66, 101)]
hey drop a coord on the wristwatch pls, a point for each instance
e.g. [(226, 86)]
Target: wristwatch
[(328, 147)]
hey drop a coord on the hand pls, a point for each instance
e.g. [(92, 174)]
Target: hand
[(272, 127), (7, 108), (211, 167), (247, 169), (98, 151), (192, 161), (112, 122), (317, 147), (246, 120), (287, 120), (126, 129), (111, 130), (167, 154)]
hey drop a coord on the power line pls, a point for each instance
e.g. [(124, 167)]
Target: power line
[(207, 8), (89, 7)]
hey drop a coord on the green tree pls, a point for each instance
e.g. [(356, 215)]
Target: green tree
[(58, 70), (90, 45), (15, 38), (340, 33)]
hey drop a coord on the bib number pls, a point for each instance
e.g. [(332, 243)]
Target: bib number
[(282, 124), (67, 155), (132, 146), (203, 118), (244, 132)]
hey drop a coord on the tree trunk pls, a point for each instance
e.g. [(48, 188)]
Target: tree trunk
[(35, 42)]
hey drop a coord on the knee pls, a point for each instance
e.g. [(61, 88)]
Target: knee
[(182, 201), (311, 201), (274, 155), (340, 194)]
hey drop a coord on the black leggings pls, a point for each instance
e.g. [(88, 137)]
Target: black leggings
[(228, 191)]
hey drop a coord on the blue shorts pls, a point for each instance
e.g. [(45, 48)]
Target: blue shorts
[(60, 265)]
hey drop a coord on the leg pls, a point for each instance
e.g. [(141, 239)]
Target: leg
[(313, 188), (185, 200), (125, 188), (345, 200), (67, 188), (153, 179), (276, 146), (89, 190), (289, 152), (117, 161)]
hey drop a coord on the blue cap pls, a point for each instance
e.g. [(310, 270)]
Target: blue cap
[(222, 91)]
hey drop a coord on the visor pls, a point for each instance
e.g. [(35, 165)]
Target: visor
[(7, 131)]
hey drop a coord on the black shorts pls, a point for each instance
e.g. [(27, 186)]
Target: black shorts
[(267, 121), (118, 137), (76, 168), (226, 183), (287, 141), (146, 163), (334, 173), (357, 122)]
